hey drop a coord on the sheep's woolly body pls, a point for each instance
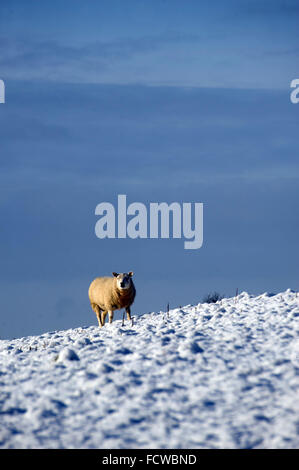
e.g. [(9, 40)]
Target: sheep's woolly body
[(103, 291)]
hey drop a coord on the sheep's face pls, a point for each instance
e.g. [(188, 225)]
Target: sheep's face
[(123, 280)]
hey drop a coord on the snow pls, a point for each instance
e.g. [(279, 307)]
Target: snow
[(222, 375)]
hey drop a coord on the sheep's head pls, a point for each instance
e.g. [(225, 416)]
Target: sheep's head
[(123, 280)]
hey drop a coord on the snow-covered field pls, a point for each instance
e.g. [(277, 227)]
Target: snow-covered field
[(222, 375)]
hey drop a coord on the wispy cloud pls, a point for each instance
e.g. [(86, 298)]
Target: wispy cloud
[(23, 58)]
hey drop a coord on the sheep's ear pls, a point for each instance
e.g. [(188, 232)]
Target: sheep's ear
[(131, 273), (115, 274)]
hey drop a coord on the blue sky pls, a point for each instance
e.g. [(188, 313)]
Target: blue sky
[(162, 101), (247, 44)]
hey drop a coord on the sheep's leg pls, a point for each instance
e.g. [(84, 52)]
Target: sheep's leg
[(110, 313), (97, 310), (128, 310), (104, 314)]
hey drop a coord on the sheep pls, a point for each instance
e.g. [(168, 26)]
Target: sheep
[(107, 294)]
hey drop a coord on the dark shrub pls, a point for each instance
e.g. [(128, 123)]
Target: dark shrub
[(212, 298)]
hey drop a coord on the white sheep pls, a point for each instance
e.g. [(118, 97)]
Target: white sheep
[(107, 294)]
